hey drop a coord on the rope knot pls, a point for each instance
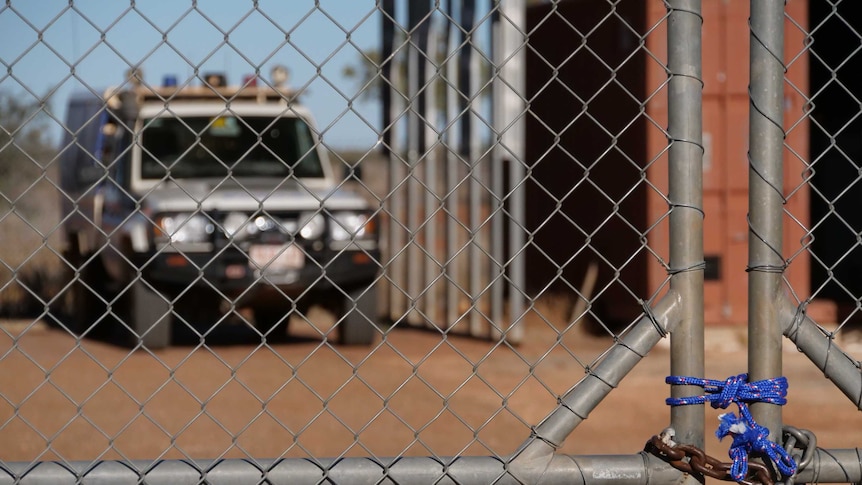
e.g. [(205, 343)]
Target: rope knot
[(748, 436), (730, 392)]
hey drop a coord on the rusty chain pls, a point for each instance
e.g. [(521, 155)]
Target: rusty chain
[(691, 459)]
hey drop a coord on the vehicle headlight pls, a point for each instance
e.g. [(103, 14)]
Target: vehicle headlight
[(311, 225), (348, 226), (184, 228), (234, 224)]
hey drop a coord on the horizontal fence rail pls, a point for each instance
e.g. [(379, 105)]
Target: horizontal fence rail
[(828, 466)]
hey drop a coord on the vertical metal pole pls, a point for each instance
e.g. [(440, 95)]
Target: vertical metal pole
[(387, 34), (685, 127), (460, 242), (467, 21), (511, 63), (478, 324), (413, 130), (448, 225), (498, 194), (765, 200), (398, 172), (419, 24), (452, 180), (430, 300)]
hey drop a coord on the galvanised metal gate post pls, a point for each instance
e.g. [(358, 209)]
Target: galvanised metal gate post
[(766, 201), (685, 130)]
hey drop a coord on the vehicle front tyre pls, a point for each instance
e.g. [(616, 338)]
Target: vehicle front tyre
[(147, 314), (82, 301), (272, 323), (357, 317)]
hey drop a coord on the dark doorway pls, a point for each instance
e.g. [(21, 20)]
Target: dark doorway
[(836, 150), (586, 144)]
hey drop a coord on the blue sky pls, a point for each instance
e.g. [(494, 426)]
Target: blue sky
[(50, 51)]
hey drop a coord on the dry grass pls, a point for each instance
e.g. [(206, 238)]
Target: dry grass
[(29, 244)]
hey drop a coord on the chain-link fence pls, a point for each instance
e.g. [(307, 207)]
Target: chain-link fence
[(407, 241)]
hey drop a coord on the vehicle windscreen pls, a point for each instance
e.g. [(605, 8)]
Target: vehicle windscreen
[(202, 147)]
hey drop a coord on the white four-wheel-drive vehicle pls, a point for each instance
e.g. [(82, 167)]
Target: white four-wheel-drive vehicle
[(185, 204)]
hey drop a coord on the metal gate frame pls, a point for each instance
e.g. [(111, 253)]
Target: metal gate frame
[(679, 313)]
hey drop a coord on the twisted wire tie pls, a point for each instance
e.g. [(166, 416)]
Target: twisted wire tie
[(798, 318), (676, 205), (748, 436), (652, 318), (699, 266), (534, 434)]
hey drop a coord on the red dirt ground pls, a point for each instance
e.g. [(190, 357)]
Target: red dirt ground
[(415, 394)]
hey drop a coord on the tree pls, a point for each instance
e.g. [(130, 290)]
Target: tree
[(28, 206), (448, 41), (25, 147)]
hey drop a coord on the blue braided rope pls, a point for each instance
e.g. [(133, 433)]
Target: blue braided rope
[(748, 436), (734, 389)]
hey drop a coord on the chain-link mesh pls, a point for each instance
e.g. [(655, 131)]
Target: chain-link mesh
[(387, 229), (822, 75)]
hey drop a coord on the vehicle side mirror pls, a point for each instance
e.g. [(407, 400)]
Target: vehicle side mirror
[(128, 106)]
